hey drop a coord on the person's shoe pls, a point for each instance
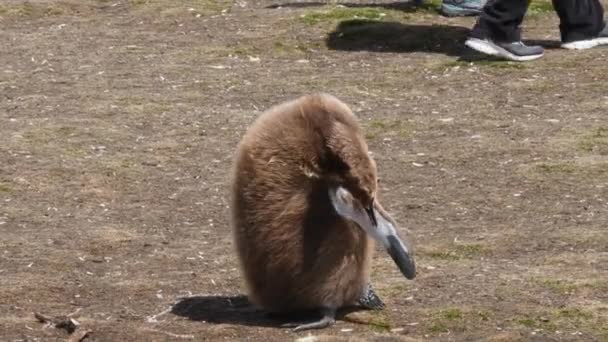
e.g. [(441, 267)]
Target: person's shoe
[(460, 8), (516, 51), (601, 39)]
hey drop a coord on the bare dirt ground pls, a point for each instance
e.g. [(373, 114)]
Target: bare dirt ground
[(118, 120)]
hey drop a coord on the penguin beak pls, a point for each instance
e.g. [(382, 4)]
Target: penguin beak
[(394, 245), (401, 257), (376, 222)]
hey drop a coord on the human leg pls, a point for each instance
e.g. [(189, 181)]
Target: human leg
[(460, 8), (500, 20), (582, 23)]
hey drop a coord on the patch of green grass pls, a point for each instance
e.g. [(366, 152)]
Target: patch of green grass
[(540, 7), (451, 314), (484, 315), (434, 3), (73, 151), (581, 319), (595, 142), (470, 250), (387, 128), (283, 48), (35, 10), (207, 7), (22, 10), (596, 285), (557, 167), (169, 8), (336, 14), (544, 322), (457, 63), (457, 252), (501, 64), (48, 134), (121, 164), (446, 320), (557, 285), (375, 319), (380, 324), (240, 50), (526, 322), (430, 6), (5, 187), (296, 48), (568, 318), (393, 289), (53, 11), (443, 255), (581, 168), (573, 313), (437, 327), (57, 140), (136, 106)]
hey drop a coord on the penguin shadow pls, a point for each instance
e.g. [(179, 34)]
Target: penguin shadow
[(238, 310), (222, 310), (378, 36)]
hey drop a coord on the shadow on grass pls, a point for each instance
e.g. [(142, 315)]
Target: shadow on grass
[(223, 309), (547, 44), (405, 6), (378, 36), (239, 311)]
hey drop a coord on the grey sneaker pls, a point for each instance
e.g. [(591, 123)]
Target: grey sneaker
[(460, 8), (516, 51), (601, 39)]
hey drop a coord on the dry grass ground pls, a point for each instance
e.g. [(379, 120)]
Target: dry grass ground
[(118, 123)]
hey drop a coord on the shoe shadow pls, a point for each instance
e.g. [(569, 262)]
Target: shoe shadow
[(405, 6), (368, 35), (238, 310), (547, 44)]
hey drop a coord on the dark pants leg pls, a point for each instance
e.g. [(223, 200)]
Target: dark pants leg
[(500, 20), (580, 19)]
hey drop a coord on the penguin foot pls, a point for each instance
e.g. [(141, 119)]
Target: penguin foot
[(328, 319), (370, 300)]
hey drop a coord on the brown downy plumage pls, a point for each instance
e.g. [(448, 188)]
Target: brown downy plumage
[(304, 209)]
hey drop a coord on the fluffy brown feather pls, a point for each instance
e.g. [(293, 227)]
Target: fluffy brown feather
[(295, 251)]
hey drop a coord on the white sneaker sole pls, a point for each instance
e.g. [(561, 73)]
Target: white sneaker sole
[(585, 44), (489, 48)]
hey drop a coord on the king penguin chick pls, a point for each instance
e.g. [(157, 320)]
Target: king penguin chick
[(305, 212)]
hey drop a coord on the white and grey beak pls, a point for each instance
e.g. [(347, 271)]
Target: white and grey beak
[(376, 222), (394, 245)]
